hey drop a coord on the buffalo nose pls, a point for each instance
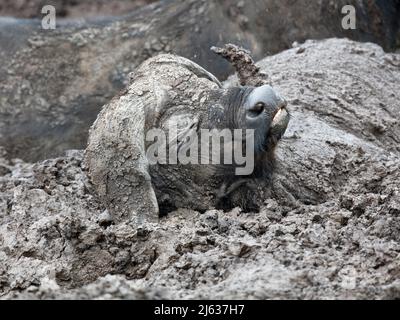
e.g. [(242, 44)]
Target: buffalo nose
[(264, 103)]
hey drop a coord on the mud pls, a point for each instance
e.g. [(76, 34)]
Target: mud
[(329, 229)]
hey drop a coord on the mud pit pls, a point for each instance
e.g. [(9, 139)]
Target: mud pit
[(329, 229)]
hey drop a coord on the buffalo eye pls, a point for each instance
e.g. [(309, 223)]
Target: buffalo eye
[(257, 109)]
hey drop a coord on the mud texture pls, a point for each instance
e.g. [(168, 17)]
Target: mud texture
[(329, 229), (54, 82)]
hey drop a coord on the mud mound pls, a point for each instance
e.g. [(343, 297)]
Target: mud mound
[(330, 229)]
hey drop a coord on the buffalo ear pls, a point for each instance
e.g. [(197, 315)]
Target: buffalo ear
[(117, 164)]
